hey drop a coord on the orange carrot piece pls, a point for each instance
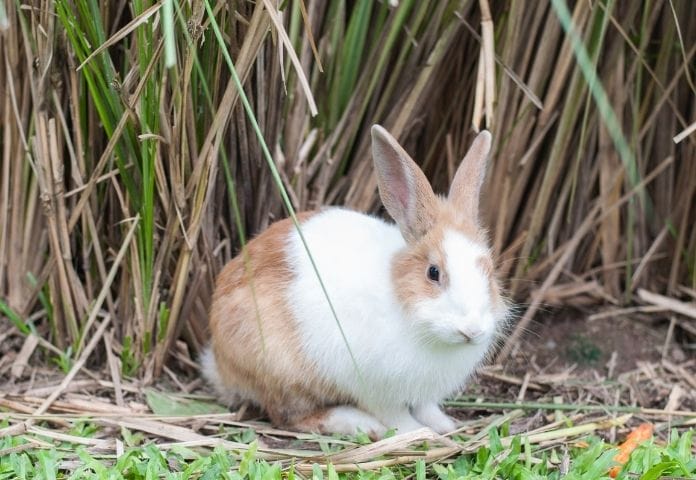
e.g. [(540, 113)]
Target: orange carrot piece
[(640, 434)]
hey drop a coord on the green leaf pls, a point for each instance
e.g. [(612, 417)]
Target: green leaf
[(656, 471), (684, 446), (248, 458), (441, 471), (317, 473), (131, 439), (48, 463), (175, 405), (14, 318), (420, 470), (496, 445), (212, 473), (331, 472)]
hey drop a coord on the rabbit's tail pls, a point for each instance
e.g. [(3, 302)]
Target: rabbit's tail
[(211, 373), (209, 367)]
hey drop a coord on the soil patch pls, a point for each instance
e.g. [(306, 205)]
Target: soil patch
[(570, 338)]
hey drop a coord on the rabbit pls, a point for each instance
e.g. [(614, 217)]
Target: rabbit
[(414, 307)]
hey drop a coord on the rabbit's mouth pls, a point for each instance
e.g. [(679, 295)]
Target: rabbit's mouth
[(474, 336), (442, 332)]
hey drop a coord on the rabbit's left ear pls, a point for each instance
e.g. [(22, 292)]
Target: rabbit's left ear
[(405, 192), (466, 186)]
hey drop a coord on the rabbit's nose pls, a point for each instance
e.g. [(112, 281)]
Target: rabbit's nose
[(471, 334)]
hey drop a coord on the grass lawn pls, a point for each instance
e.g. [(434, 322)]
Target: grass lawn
[(82, 452), (151, 433)]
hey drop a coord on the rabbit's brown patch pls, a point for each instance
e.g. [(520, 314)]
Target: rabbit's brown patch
[(254, 335), (409, 267)]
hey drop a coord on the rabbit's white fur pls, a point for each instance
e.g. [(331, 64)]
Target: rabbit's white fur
[(408, 340), (400, 365)]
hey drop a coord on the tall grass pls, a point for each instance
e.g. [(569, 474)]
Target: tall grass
[(125, 115)]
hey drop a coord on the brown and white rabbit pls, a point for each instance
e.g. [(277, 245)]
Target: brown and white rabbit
[(418, 303)]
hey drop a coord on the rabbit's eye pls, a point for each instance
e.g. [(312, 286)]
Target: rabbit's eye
[(434, 273)]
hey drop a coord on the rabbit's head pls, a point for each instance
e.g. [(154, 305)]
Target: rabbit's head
[(444, 278)]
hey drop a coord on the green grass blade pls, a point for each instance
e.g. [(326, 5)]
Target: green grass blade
[(4, 23), (14, 317), (606, 112), (168, 31)]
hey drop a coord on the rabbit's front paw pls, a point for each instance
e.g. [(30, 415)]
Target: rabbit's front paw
[(400, 419), (432, 416)]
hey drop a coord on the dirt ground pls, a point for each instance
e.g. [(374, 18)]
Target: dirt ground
[(568, 337), (572, 357)]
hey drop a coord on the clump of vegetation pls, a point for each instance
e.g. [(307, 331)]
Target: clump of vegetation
[(518, 460), (134, 163), (144, 142), (583, 350)]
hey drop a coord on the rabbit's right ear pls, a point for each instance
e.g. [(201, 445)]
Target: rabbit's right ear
[(466, 186), (404, 190)]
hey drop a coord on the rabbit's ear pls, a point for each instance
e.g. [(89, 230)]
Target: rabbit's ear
[(404, 190), (466, 186)]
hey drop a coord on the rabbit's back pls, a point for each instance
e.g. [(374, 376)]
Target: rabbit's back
[(256, 351)]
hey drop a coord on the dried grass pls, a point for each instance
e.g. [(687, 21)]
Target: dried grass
[(566, 408)]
